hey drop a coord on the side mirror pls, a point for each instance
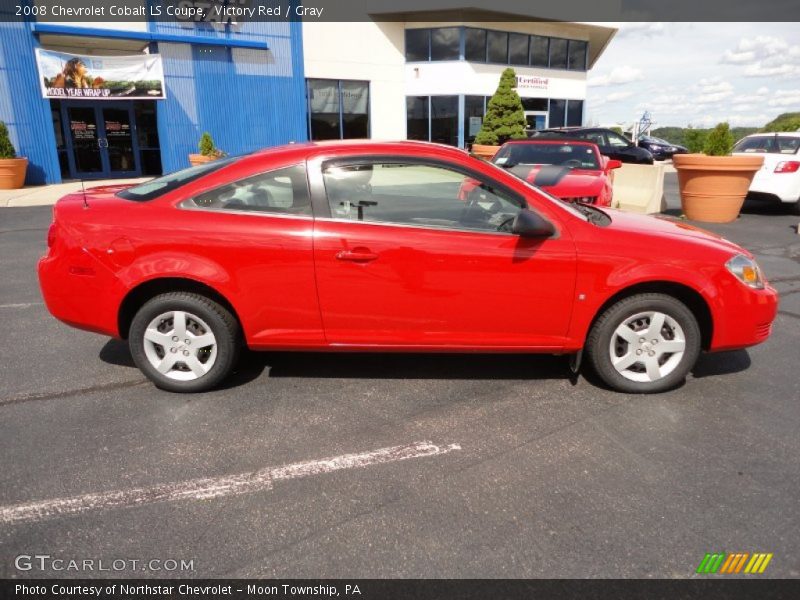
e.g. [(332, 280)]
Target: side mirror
[(613, 164), (529, 224)]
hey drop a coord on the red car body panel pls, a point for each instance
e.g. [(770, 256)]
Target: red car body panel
[(426, 289)]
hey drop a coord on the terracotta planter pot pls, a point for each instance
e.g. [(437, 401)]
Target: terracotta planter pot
[(200, 159), (713, 188), (484, 152), (12, 173)]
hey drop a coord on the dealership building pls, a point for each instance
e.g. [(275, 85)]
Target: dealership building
[(258, 84)]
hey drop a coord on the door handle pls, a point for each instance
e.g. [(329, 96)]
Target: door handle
[(356, 255)]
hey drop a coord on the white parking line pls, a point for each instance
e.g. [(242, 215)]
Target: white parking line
[(21, 305), (205, 488)]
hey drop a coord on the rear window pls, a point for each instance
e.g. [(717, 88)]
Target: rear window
[(162, 185), (771, 144), (576, 156)]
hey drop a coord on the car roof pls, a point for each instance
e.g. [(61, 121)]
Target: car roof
[(774, 133), (360, 146)]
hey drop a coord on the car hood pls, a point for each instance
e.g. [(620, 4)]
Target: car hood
[(663, 225)]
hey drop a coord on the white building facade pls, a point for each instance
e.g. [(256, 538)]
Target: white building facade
[(431, 80)]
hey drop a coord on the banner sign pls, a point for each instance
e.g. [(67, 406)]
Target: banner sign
[(66, 76)]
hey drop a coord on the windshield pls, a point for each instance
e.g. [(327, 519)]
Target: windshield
[(161, 185), (555, 201), (773, 144), (574, 156)]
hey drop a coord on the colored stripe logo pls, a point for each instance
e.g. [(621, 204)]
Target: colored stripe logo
[(734, 562)]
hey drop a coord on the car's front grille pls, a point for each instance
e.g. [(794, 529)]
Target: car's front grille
[(763, 330)]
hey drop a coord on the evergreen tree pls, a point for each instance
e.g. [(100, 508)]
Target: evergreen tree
[(719, 141), (6, 147), (504, 118)]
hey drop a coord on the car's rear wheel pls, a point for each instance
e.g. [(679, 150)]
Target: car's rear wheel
[(184, 342), (644, 344)]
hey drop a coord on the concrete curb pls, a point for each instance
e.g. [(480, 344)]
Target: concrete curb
[(44, 195)]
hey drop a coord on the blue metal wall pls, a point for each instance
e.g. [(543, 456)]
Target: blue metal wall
[(22, 106), (247, 98)]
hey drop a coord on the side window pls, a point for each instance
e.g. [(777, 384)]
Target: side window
[(283, 191), (419, 195), (617, 141), (595, 137)]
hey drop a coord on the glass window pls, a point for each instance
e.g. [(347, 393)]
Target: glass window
[(558, 110), (283, 191), (417, 118), (518, 49), (473, 117), (577, 55), (538, 104), (775, 144), (539, 51), (445, 43), (498, 46), (417, 194), (574, 156), (323, 108), (417, 44), (475, 45), (574, 113), (355, 109), (558, 53), (616, 140), (444, 120), (160, 186)]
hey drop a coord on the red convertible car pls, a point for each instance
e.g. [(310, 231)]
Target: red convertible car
[(367, 246), (573, 170)]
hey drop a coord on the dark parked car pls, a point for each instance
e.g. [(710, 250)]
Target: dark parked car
[(611, 144), (660, 149)]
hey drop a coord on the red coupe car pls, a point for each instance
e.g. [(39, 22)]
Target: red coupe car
[(573, 170), (367, 246)]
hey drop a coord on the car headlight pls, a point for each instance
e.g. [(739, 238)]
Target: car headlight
[(746, 270)]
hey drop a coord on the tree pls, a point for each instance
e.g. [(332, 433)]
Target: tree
[(720, 141), (206, 145), (505, 117), (695, 139), (6, 147), (784, 122)]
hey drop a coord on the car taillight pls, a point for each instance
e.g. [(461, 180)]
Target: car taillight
[(51, 235), (787, 166)]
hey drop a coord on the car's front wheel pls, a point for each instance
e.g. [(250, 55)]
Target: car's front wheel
[(184, 342), (644, 344)]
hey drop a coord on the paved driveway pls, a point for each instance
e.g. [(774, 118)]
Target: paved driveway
[(446, 466)]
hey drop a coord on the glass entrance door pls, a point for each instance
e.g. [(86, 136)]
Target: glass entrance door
[(535, 120), (100, 140)]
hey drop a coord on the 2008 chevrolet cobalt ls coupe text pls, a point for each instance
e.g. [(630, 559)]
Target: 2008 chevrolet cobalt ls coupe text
[(390, 247)]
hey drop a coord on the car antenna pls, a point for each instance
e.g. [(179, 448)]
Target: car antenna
[(83, 189)]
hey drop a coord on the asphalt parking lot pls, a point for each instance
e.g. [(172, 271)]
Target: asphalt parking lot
[(448, 466)]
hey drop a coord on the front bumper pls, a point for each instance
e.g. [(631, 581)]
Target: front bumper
[(743, 317)]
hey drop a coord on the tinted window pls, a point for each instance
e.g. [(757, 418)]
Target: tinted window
[(283, 191), (473, 117), (539, 51), (616, 140), (577, 55), (417, 118), (539, 104), (498, 46), (769, 144), (415, 194), (444, 120), (577, 156), (558, 53), (417, 42), (558, 110), (518, 49), (475, 45), (355, 109), (574, 113), (161, 185), (323, 107), (445, 43)]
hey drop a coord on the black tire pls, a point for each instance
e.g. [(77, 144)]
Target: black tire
[(795, 208), (222, 323), (598, 343)]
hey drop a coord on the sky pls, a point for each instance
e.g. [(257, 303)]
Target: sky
[(696, 74)]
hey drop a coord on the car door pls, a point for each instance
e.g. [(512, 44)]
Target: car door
[(419, 253)]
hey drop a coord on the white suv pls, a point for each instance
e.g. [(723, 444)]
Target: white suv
[(779, 177)]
